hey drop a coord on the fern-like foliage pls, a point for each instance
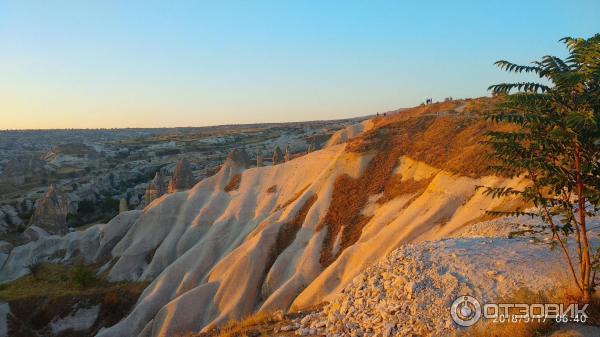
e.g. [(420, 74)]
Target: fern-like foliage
[(553, 140)]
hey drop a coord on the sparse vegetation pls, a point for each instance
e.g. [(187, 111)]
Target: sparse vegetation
[(57, 280), (34, 267), (82, 275), (522, 328), (554, 142), (258, 324)]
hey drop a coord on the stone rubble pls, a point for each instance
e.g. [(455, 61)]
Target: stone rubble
[(410, 292)]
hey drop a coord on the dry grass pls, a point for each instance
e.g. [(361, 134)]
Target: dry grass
[(435, 134), (53, 281), (488, 328), (350, 196), (234, 183), (450, 142), (396, 187), (35, 302), (257, 324)]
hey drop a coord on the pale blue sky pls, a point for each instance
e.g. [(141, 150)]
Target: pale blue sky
[(191, 63)]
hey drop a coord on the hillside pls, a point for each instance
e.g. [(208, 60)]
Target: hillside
[(293, 235)]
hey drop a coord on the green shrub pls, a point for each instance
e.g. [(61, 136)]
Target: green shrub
[(82, 276)]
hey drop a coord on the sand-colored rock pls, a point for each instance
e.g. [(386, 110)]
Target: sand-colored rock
[(287, 155), (213, 253), (156, 188), (183, 178)]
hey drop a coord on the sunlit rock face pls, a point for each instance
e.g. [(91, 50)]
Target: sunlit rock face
[(183, 178), (239, 158), (51, 212), (156, 188)]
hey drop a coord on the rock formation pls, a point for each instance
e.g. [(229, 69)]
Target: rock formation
[(9, 219), (238, 157), (51, 212), (259, 159), (155, 189), (286, 156), (310, 147), (182, 177), (277, 155), (123, 206)]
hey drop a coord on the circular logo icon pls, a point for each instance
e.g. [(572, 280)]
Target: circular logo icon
[(465, 310)]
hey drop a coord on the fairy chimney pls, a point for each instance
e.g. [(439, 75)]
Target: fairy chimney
[(156, 188), (277, 155), (286, 156), (183, 178), (259, 159), (51, 212)]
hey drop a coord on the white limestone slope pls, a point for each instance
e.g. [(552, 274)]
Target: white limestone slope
[(347, 133), (213, 255), (92, 244)]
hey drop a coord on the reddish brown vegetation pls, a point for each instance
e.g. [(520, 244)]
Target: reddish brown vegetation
[(351, 195), (234, 183), (436, 134), (272, 189), (287, 233), (396, 187)]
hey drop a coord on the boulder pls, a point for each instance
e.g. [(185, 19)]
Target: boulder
[(34, 233)]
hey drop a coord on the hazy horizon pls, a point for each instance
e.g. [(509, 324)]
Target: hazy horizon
[(90, 65)]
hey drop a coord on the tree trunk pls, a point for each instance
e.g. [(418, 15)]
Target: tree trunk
[(585, 261)]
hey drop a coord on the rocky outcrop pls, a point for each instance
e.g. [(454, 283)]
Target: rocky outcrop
[(156, 188), (259, 159), (277, 156), (123, 206), (79, 150), (287, 155), (51, 212), (9, 219), (183, 178), (238, 157), (92, 244)]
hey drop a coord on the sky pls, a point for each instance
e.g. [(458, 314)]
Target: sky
[(106, 64)]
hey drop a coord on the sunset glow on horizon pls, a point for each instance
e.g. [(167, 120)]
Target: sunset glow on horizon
[(106, 64)]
